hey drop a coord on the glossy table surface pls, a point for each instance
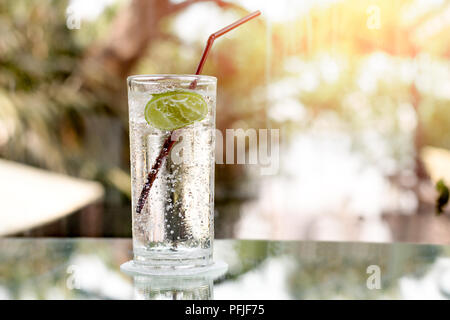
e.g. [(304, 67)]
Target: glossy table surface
[(88, 268)]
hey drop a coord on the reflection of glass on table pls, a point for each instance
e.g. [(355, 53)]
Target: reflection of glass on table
[(177, 288)]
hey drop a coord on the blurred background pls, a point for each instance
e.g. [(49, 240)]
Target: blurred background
[(360, 91)]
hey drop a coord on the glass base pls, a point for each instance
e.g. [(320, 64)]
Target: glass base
[(182, 258), (214, 270)]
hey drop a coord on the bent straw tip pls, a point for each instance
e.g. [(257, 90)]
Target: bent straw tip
[(252, 15)]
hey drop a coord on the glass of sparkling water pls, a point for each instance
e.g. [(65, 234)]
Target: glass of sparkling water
[(174, 227)]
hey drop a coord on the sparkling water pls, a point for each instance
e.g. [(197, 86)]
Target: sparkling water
[(175, 226)]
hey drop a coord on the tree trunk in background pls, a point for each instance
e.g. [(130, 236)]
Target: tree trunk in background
[(132, 31), (108, 62)]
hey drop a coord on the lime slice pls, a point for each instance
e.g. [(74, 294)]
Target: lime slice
[(175, 109)]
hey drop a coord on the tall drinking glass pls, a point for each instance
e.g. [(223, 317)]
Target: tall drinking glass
[(175, 227)]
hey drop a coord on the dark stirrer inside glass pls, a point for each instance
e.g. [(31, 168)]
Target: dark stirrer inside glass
[(173, 137)]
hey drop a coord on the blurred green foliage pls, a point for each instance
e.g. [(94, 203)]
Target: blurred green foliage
[(44, 111)]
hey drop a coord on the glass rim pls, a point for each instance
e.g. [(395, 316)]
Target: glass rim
[(146, 78)]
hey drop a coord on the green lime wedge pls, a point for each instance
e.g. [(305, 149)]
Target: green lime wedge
[(175, 109)]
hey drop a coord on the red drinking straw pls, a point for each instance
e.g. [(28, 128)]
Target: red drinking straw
[(171, 139), (221, 32)]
